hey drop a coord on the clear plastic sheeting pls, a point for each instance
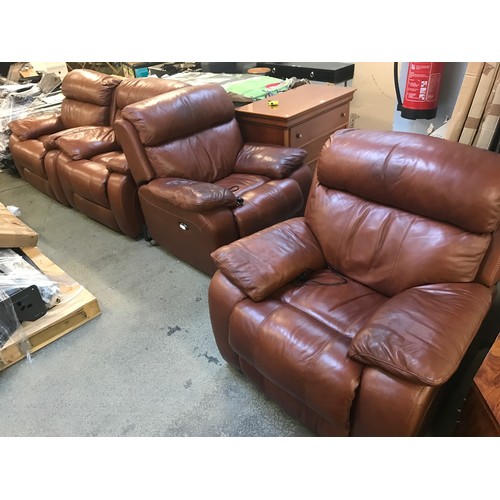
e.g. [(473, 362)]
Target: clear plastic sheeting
[(22, 100), (8, 318), (17, 274)]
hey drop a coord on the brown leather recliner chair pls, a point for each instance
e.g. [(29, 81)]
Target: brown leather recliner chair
[(200, 186), (87, 101), (93, 171), (354, 317)]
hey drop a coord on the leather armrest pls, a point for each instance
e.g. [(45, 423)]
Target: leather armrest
[(50, 142), (272, 161), (262, 263), (191, 195), (422, 333), (36, 126), (83, 144), (118, 164)]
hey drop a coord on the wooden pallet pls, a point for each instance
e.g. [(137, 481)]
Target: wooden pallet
[(13, 232), (77, 306)]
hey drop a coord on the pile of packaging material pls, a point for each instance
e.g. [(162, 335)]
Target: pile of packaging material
[(22, 100), (243, 88)]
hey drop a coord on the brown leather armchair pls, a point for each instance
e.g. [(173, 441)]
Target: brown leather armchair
[(92, 168), (87, 101), (354, 317), (200, 186)]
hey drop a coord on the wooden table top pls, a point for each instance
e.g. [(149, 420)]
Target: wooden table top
[(487, 379), (298, 100)]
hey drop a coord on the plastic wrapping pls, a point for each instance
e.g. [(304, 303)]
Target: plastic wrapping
[(22, 100), (14, 210), (16, 273), (8, 318), (242, 87)]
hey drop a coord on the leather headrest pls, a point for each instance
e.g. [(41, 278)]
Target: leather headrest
[(90, 86), (179, 113), (134, 90), (424, 175)]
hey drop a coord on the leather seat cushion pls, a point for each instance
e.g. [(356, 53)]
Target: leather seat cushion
[(239, 184), (338, 302), (300, 355)]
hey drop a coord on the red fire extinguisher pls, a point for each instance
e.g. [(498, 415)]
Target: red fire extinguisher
[(421, 90)]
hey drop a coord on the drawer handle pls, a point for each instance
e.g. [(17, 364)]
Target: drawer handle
[(298, 135), (343, 115)]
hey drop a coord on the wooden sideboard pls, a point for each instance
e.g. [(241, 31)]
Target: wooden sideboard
[(304, 117), (481, 410)]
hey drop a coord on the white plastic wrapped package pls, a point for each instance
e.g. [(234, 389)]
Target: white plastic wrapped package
[(17, 274)]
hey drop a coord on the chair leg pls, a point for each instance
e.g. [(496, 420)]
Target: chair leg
[(147, 236)]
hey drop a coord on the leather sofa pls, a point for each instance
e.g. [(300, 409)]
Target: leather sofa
[(200, 186), (87, 102), (92, 168), (355, 317)]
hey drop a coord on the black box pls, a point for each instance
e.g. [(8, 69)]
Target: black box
[(331, 72)]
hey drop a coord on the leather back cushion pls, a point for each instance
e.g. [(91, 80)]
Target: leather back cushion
[(88, 96), (206, 156), (78, 114), (90, 86), (190, 132), (396, 210), (388, 249), (425, 175), (134, 90)]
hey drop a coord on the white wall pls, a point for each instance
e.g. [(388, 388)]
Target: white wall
[(374, 101)]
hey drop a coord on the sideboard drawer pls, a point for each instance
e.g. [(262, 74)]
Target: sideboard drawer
[(319, 126)]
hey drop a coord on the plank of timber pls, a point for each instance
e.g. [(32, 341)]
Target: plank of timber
[(76, 307), (13, 232)]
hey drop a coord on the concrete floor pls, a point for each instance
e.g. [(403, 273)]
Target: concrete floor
[(148, 365)]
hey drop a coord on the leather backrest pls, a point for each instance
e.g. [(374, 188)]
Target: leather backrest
[(394, 210), (133, 90), (88, 97), (190, 133)]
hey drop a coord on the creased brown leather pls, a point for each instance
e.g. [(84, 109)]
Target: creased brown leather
[(191, 195), (86, 143), (422, 333), (262, 263), (404, 228), (36, 126), (275, 162)]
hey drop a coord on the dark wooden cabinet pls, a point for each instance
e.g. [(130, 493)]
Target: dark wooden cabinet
[(304, 117), (481, 410)]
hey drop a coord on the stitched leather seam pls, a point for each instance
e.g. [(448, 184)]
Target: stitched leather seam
[(412, 409)]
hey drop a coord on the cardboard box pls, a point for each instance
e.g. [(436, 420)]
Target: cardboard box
[(465, 97), (28, 73), (479, 102), (491, 117)]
